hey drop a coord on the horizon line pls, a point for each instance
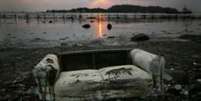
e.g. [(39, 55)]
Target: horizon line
[(89, 8)]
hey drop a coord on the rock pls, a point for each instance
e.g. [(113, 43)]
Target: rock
[(167, 77), (18, 80), (3, 90), (199, 80), (78, 45), (44, 32), (109, 26), (65, 38), (38, 40), (31, 91), (86, 26), (19, 58), (184, 92), (197, 65), (111, 37), (172, 69), (178, 87), (140, 37), (64, 44)]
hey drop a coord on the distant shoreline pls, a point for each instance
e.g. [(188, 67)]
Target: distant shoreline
[(125, 9)]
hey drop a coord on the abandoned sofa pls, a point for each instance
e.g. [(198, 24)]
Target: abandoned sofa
[(98, 75)]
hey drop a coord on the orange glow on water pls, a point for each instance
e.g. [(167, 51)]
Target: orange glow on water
[(100, 32), (100, 27)]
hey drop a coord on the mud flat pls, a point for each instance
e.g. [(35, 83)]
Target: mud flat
[(183, 63)]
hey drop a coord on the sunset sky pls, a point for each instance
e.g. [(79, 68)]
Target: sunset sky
[(38, 5)]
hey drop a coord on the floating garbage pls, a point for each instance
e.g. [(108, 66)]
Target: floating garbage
[(50, 21), (86, 26), (109, 26)]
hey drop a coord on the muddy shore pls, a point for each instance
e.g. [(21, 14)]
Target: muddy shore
[(183, 62)]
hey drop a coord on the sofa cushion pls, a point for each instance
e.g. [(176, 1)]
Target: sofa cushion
[(123, 72), (110, 82), (76, 83)]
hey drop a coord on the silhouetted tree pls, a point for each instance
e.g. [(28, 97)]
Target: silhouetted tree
[(122, 8)]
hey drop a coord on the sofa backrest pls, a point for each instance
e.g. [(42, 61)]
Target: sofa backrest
[(95, 59)]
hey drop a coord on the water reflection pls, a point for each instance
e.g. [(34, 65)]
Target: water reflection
[(101, 26), (47, 32)]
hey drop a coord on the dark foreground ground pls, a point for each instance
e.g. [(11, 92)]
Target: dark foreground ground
[(183, 62)]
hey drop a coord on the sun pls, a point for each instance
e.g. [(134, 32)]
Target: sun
[(100, 3)]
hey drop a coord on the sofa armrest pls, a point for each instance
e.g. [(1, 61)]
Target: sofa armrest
[(46, 73), (152, 64)]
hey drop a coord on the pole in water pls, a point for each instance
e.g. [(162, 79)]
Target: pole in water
[(27, 17), (4, 16), (0, 17), (15, 17), (144, 16), (54, 17), (135, 16), (64, 18), (38, 18), (125, 17)]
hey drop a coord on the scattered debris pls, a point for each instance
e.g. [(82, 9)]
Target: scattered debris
[(86, 26)]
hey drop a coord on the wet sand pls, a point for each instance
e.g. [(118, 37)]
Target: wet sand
[(183, 63)]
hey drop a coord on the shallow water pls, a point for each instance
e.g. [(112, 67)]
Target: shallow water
[(57, 32)]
